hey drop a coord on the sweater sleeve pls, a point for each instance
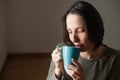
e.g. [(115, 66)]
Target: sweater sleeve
[(51, 74)]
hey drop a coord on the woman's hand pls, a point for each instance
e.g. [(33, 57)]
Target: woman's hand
[(76, 72), (58, 61)]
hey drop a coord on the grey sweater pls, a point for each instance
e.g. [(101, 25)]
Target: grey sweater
[(106, 67)]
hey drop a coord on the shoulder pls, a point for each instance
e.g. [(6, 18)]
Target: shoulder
[(114, 62), (113, 55), (112, 52)]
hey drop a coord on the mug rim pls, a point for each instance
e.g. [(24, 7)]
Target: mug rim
[(70, 46)]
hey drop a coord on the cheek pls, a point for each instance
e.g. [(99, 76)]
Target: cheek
[(83, 38)]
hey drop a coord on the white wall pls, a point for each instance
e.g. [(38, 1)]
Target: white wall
[(3, 50), (36, 26)]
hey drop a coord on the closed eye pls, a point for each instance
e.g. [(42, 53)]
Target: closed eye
[(80, 30)]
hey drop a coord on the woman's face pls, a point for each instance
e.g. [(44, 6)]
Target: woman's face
[(76, 28)]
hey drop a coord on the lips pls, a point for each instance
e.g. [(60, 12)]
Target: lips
[(78, 46)]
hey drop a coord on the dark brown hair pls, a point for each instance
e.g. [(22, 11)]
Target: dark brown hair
[(94, 23)]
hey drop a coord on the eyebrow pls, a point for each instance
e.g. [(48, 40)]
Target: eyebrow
[(80, 27), (76, 28)]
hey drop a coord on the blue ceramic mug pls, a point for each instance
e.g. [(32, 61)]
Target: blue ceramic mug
[(69, 52)]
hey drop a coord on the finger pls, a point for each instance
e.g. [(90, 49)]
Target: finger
[(73, 74), (76, 77), (56, 53), (53, 53), (59, 49), (58, 58), (70, 67), (69, 72), (74, 68), (77, 64)]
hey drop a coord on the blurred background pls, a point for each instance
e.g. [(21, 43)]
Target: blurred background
[(30, 30)]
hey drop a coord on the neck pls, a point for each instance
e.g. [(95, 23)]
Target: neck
[(93, 54)]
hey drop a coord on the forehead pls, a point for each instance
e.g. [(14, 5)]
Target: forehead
[(74, 21)]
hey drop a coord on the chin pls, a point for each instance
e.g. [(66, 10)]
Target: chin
[(82, 50)]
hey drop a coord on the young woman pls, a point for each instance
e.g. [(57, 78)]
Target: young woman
[(83, 27)]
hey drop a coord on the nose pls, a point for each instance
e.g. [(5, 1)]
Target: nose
[(75, 38)]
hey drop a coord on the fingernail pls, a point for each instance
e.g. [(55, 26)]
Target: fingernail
[(72, 59)]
